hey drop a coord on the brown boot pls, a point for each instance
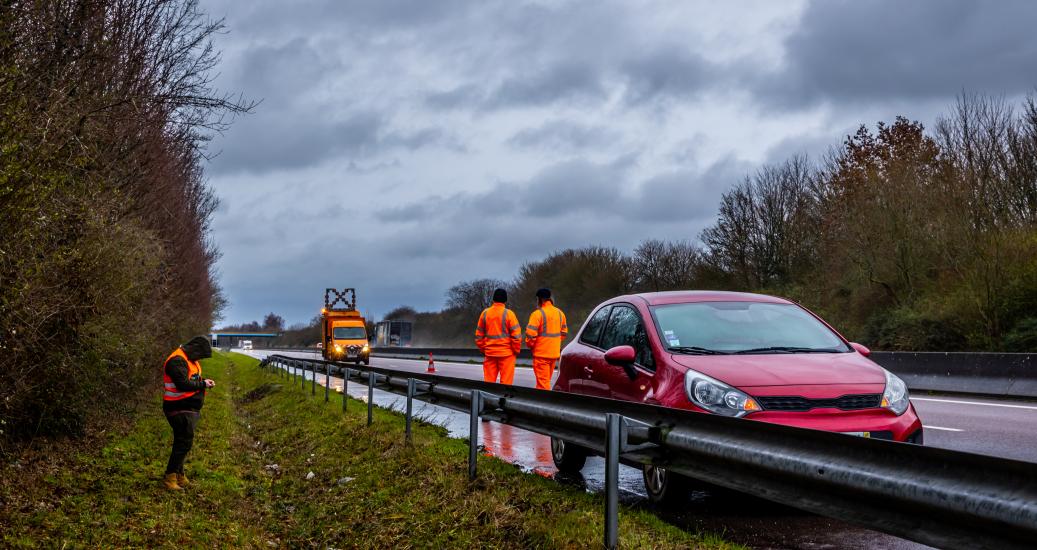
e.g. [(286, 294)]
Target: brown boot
[(170, 482), (181, 480)]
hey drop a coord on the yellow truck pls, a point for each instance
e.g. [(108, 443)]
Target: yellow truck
[(343, 329)]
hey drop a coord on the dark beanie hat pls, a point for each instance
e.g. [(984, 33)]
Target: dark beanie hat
[(500, 295), (197, 348), (544, 294)]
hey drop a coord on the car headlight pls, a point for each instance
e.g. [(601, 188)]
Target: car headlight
[(895, 396), (716, 396)]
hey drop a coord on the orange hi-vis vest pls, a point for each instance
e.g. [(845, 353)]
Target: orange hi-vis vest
[(498, 333), (546, 330), (193, 368)]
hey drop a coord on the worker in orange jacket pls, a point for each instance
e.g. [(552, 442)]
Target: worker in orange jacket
[(499, 336), (544, 334)]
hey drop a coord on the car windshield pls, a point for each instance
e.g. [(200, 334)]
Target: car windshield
[(350, 333), (743, 327)]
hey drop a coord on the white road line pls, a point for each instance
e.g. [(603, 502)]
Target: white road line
[(1030, 407), (943, 429)]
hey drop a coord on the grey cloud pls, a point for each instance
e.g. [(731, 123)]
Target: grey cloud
[(410, 212), (564, 135), (685, 194), (571, 186), (468, 95), (281, 140), (569, 204), (669, 71), (278, 141), (865, 51), (284, 71), (563, 81), (813, 146)]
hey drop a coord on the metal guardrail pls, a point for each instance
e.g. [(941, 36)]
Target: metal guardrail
[(933, 496), (998, 374)]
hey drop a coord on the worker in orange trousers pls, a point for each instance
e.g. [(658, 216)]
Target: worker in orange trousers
[(544, 334), (499, 336)]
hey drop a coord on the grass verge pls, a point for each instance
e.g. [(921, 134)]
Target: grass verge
[(369, 489)]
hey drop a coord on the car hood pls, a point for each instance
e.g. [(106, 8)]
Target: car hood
[(786, 369)]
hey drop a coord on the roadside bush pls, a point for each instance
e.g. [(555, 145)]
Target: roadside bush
[(105, 260), (1022, 338)]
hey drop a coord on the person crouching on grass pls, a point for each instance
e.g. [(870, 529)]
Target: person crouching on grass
[(182, 399)]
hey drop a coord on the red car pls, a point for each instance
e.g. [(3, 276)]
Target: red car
[(733, 354)]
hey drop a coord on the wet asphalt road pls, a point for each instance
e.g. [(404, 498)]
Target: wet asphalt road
[(988, 426)]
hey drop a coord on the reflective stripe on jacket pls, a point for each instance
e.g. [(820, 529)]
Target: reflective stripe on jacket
[(546, 330), (194, 368), (498, 333)]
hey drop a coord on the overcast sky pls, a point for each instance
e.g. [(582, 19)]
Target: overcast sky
[(403, 146)]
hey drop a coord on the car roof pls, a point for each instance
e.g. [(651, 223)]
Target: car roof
[(691, 296)]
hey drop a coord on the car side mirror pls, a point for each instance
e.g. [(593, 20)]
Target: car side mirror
[(623, 356), (861, 348)]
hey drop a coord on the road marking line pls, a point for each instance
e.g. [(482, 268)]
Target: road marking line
[(942, 429), (1030, 407)]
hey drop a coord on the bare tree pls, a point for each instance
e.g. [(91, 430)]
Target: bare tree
[(767, 225), (472, 296)]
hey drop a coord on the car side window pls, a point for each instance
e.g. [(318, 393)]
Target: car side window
[(625, 328), (592, 332)]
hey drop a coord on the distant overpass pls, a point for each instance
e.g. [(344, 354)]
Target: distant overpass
[(234, 339)]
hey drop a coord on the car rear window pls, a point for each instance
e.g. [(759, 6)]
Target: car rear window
[(592, 331)]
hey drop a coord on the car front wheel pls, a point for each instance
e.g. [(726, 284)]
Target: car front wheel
[(664, 487), (568, 457)]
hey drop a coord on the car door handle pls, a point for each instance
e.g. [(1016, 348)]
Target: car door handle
[(588, 371)]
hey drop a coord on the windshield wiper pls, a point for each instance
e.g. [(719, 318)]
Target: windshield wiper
[(695, 350), (787, 349)]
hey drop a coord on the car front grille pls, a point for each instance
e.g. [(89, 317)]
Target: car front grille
[(845, 402)]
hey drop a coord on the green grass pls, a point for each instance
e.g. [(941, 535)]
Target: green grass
[(400, 495)]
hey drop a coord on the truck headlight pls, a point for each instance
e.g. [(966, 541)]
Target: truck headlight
[(366, 348), (338, 348), (716, 396), (895, 397)]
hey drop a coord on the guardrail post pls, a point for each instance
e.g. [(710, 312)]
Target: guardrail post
[(327, 381), (370, 398), (410, 403), (612, 443), (473, 432), (313, 379), (345, 387)]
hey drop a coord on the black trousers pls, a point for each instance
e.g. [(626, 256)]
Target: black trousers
[(183, 425)]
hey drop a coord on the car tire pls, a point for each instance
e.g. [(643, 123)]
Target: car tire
[(664, 487), (568, 457)]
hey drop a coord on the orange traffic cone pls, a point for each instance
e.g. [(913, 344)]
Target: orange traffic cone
[(431, 364)]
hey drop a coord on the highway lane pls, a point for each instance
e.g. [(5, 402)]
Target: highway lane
[(1004, 428), (740, 518), (999, 427)]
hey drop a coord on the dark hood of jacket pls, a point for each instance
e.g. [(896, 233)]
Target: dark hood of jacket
[(197, 348)]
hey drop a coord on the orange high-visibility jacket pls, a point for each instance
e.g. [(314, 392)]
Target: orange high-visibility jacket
[(546, 330), (498, 333), (193, 368)]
